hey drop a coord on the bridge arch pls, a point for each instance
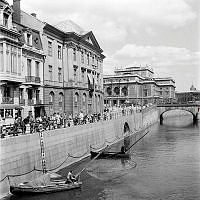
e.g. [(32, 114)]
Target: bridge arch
[(193, 114)]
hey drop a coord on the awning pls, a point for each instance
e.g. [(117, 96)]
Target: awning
[(3, 83), (90, 78), (10, 106)]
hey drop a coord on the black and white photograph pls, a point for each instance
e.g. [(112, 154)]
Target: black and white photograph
[(100, 100)]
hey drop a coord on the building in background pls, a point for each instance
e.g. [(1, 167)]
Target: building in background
[(73, 69), (71, 79), (191, 96), (11, 71), (137, 86), (31, 90)]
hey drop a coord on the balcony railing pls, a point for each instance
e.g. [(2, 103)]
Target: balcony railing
[(7, 100), (32, 79), (22, 102), (30, 102), (38, 101)]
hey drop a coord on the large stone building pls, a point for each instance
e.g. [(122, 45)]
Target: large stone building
[(47, 69), (73, 69), (191, 96), (31, 90), (137, 86)]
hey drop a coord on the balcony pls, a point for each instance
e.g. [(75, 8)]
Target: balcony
[(32, 79), (7, 100), (22, 102), (30, 102), (38, 101)]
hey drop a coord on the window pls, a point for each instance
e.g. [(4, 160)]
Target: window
[(76, 98), (59, 52), (60, 100), (51, 97), (28, 38), (30, 94), (84, 98), (7, 92), (9, 113), (75, 74), (12, 59), (8, 60), (60, 74), (50, 73), (5, 19), (21, 96), (37, 69), (83, 76), (1, 58), (2, 113), (19, 61), (37, 95), (28, 67), (49, 48), (93, 60), (88, 59), (74, 53), (82, 57)]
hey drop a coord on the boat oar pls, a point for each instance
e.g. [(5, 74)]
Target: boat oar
[(136, 142), (89, 163)]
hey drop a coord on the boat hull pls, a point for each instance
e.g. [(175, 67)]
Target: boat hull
[(109, 155), (21, 190)]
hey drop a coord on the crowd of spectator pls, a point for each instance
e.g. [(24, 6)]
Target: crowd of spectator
[(32, 125)]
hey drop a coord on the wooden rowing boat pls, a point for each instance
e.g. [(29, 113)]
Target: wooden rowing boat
[(49, 186), (20, 190), (106, 154)]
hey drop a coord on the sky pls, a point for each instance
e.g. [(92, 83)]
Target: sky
[(161, 34)]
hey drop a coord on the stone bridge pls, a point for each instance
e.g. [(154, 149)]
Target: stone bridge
[(194, 109)]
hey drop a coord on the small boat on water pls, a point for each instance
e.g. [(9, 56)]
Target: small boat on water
[(107, 154), (43, 185)]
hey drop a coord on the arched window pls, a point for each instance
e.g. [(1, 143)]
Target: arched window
[(84, 98), (51, 97), (60, 99), (116, 90), (76, 97), (125, 91), (109, 91)]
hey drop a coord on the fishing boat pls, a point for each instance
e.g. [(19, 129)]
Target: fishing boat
[(44, 184), (107, 154)]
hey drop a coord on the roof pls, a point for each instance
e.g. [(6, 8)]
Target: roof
[(70, 26)]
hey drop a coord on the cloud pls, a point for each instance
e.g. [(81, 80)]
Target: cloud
[(173, 13), (114, 20)]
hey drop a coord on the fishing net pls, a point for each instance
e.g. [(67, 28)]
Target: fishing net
[(107, 169)]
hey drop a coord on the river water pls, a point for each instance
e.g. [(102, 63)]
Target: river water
[(168, 168)]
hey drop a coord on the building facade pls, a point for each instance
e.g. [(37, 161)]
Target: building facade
[(191, 96), (73, 70), (137, 86), (31, 90), (11, 71), (70, 77)]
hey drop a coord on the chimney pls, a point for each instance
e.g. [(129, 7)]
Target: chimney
[(34, 14), (17, 11)]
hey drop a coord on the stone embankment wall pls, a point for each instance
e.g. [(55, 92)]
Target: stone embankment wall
[(62, 147)]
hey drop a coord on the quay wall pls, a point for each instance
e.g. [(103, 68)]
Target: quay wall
[(22, 154)]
